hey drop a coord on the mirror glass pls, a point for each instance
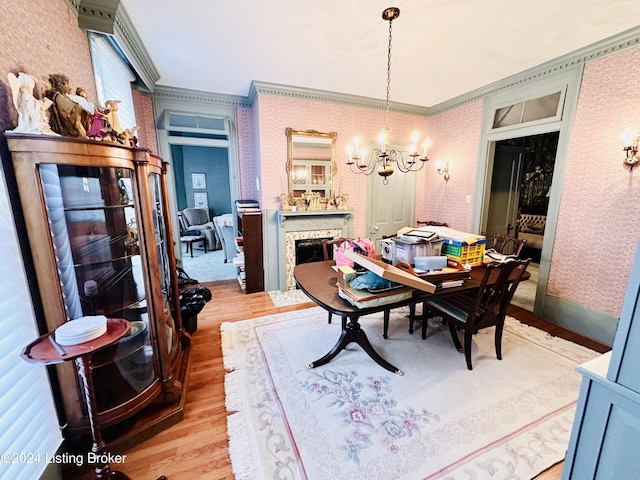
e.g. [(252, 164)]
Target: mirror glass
[(311, 166)]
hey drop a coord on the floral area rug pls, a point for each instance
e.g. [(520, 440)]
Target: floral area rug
[(351, 419)]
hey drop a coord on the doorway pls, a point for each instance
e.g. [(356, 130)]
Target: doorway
[(201, 178), (521, 179)]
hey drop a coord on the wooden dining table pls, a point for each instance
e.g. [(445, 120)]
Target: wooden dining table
[(318, 280)]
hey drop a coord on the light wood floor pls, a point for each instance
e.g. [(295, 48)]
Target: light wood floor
[(196, 448)]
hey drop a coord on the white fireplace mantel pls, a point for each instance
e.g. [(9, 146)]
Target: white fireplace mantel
[(291, 226)]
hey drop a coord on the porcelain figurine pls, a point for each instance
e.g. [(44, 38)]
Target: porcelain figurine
[(32, 116)]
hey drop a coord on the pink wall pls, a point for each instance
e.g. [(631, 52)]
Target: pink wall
[(455, 136), (277, 113), (598, 226), (41, 38)]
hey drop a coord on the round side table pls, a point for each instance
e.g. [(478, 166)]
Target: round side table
[(46, 351)]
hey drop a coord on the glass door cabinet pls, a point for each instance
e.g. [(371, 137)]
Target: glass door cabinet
[(100, 236)]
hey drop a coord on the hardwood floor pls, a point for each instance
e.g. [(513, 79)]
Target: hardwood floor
[(196, 448)]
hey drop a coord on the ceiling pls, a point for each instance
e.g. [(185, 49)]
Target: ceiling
[(441, 48)]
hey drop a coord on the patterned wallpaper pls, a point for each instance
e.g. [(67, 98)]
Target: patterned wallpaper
[(248, 152), (277, 113), (41, 38), (598, 228), (455, 136), (143, 106)]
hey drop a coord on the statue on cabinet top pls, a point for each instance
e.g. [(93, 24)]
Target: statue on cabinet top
[(124, 136), (32, 116), (70, 115)]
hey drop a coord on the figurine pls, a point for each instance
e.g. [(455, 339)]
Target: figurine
[(32, 117), (70, 114), (124, 136)]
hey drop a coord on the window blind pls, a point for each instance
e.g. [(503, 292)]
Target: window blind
[(29, 431), (113, 78)]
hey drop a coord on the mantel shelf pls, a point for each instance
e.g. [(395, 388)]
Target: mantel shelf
[(284, 215)]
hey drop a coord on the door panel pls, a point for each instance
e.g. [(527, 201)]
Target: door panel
[(503, 204), (390, 207)]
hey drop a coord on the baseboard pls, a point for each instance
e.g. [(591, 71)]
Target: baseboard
[(589, 323)]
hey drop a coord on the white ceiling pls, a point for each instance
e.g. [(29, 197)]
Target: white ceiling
[(441, 48)]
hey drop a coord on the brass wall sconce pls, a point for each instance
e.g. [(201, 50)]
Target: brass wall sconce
[(443, 169), (630, 143)]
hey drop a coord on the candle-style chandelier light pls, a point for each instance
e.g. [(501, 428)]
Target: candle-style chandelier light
[(384, 160)]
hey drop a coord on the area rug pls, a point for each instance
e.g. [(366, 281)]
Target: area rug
[(351, 419), (288, 297)]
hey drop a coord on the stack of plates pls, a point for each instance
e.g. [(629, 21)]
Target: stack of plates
[(81, 330)]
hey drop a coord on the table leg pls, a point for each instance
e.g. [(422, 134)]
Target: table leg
[(103, 470), (354, 333)]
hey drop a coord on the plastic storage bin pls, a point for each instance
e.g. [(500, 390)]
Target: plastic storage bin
[(465, 254), (408, 251)]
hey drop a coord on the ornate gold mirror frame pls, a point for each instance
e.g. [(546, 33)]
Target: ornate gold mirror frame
[(310, 159)]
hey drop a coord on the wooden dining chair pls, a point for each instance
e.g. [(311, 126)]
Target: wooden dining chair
[(486, 308), (507, 244), (326, 246), (432, 223)]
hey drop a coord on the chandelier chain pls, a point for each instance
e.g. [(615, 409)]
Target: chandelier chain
[(388, 74)]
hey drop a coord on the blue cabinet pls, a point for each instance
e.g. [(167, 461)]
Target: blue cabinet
[(605, 439)]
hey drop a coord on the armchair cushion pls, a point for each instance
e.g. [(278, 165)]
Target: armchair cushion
[(197, 219)]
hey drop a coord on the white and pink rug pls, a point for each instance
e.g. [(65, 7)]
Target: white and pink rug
[(352, 419)]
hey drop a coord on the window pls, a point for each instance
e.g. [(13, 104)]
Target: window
[(113, 78), (540, 108), (28, 419)]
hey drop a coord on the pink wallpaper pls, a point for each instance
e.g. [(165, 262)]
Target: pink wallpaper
[(598, 227), (455, 136), (277, 113), (248, 152), (143, 106), (41, 38)]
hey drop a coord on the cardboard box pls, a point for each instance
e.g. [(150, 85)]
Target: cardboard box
[(390, 272)]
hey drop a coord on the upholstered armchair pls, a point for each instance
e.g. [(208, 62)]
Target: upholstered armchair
[(198, 219), (225, 229)]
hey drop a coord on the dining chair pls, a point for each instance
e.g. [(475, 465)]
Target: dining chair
[(412, 307), (486, 308), (507, 244), (333, 244), (432, 223)]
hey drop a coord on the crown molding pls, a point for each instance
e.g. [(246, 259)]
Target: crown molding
[(109, 17), (265, 88), (197, 96), (575, 59)]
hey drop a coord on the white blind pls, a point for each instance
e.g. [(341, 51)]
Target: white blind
[(113, 78), (28, 422)]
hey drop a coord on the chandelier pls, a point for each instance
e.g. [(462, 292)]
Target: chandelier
[(384, 160)]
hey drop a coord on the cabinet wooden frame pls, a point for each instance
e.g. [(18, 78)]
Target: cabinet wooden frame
[(169, 341)]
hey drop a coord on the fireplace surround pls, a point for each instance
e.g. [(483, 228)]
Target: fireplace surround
[(284, 228)]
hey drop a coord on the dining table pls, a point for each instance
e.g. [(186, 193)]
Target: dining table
[(318, 280)]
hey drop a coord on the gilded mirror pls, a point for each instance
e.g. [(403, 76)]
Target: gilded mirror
[(311, 165)]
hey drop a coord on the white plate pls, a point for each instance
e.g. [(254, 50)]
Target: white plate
[(81, 330)]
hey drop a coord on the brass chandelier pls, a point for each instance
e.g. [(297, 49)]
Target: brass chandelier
[(384, 160)]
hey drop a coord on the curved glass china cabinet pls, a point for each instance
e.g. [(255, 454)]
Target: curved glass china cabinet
[(99, 233)]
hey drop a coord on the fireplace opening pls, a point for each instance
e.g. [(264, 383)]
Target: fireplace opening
[(310, 250)]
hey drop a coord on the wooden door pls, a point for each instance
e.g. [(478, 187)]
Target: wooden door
[(390, 207)]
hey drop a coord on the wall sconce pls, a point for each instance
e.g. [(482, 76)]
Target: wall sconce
[(630, 141), (443, 169)]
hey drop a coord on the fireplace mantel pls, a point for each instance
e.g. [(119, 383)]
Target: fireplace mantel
[(291, 226), (312, 215)]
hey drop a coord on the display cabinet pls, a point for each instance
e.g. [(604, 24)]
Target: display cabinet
[(97, 223)]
